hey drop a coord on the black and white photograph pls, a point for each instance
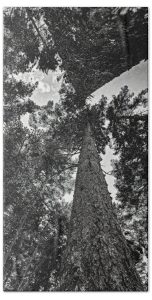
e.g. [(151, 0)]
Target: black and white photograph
[(75, 149)]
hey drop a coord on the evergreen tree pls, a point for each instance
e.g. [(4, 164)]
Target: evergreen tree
[(97, 257), (128, 126)]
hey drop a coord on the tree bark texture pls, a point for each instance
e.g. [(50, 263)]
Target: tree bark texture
[(97, 257)]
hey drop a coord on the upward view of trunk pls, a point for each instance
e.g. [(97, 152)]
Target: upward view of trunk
[(97, 257)]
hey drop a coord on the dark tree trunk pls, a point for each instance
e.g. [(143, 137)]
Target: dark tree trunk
[(97, 257)]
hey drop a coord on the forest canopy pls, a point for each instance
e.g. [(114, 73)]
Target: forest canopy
[(90, 46)]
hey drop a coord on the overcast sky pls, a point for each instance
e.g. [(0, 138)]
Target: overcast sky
[(48, 89)]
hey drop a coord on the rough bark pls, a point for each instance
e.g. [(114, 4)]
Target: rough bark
[(97, 257)]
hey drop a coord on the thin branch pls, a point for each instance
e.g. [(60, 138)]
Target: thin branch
[(67, 168), (74, 153), (136, 117), (108, 173), (35, 26)]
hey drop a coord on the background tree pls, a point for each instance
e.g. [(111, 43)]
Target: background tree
[(32, 198), (128, 125), (34, 184)]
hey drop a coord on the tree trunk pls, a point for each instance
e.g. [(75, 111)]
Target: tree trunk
[(97, 257)]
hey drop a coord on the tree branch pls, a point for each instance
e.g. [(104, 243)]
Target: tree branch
[(35, 26), (108, 173), (136, 117)]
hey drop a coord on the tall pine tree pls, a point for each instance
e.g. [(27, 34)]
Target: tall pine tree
[(97, 257)]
